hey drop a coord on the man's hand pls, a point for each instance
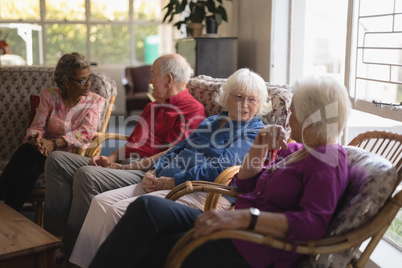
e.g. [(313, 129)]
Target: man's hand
[(103, 161), (151, 183)]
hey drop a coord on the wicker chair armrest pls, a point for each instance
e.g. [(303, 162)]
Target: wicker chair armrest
[(95, 146), (201, 186)]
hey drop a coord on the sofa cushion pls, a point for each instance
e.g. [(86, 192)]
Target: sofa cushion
[(372, 179)]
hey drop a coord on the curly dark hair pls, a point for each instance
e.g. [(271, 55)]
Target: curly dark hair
[(66, 67)]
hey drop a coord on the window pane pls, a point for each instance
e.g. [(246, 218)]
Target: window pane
[(394, 232), (325, 33), (65, 9), (116, 10), (146, 43), (379, 55), (19, 9), (22, 46), (64, 38), (110, 44), (372, 7), (147, 9)]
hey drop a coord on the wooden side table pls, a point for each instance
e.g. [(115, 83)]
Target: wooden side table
[(23, 243)]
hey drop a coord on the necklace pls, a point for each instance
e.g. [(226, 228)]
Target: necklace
[(70, 105), (293, 157)]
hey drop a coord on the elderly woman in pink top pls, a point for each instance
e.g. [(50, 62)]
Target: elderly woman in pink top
[(67, 117)]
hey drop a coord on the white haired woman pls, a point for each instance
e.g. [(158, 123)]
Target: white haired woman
[(219, 142), (294, 197)]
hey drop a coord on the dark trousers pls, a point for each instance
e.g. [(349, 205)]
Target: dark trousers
[(149, 229), (20, 174)]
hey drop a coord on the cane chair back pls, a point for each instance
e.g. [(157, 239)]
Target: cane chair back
[(366, 212), (386, 144)]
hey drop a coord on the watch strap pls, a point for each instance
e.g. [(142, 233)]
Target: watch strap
[(54, 144)]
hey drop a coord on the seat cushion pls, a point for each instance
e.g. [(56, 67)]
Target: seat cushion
[(34, 101), (372, 179)]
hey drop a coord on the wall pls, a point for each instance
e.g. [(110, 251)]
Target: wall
[(254, 35), (116, 73)]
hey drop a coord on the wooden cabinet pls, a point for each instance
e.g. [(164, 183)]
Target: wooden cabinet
[(213, 56)]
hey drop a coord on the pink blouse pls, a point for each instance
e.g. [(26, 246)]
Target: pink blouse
[(76, 125)]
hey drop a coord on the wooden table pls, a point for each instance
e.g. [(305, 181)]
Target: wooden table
[(23, 243)]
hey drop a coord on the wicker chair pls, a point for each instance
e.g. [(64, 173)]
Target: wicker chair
[(107, 89), (343, 239), (386, 144)]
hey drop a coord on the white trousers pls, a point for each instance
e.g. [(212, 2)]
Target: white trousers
[(106, 210)]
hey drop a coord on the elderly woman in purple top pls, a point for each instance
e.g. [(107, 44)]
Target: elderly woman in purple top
[(293, 197)]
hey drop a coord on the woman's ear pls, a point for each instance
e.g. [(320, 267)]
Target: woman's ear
[(66, 84)]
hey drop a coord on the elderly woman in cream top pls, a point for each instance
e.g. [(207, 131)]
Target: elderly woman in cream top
[(219, 142)]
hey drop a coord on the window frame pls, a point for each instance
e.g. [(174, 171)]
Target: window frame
[(165, 46), (367, 106)]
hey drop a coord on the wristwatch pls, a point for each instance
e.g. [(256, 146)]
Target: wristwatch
[(254, 212), (123, 166), (54, 144)]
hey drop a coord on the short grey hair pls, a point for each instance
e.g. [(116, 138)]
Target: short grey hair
[(177, 66), (321, 101), (247, 82), (66, 67)]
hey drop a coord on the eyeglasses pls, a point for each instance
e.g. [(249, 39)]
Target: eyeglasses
[(83, 82), (252, 101)]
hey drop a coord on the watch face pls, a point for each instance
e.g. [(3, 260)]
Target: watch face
[(255, 211)]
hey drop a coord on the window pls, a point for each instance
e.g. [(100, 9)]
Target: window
[(375, 82), (107, 32), (318, 38)]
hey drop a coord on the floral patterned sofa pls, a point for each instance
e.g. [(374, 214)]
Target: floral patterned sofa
[(205, 88), (17, 84)]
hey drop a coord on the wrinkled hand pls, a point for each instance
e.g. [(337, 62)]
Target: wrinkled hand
[(151, 183), (103, 161), (214, 220), (33, 140), (272, 137), (44, 146)]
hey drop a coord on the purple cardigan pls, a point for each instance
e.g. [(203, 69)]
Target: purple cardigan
[(307, 192)]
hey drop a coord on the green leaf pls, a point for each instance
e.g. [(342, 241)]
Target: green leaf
[(170, 9), (178, 24), (181, 7), (218, 18), (221, 10), (211, 6)]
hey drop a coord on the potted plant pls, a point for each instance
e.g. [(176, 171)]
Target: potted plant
[(197, 11)]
